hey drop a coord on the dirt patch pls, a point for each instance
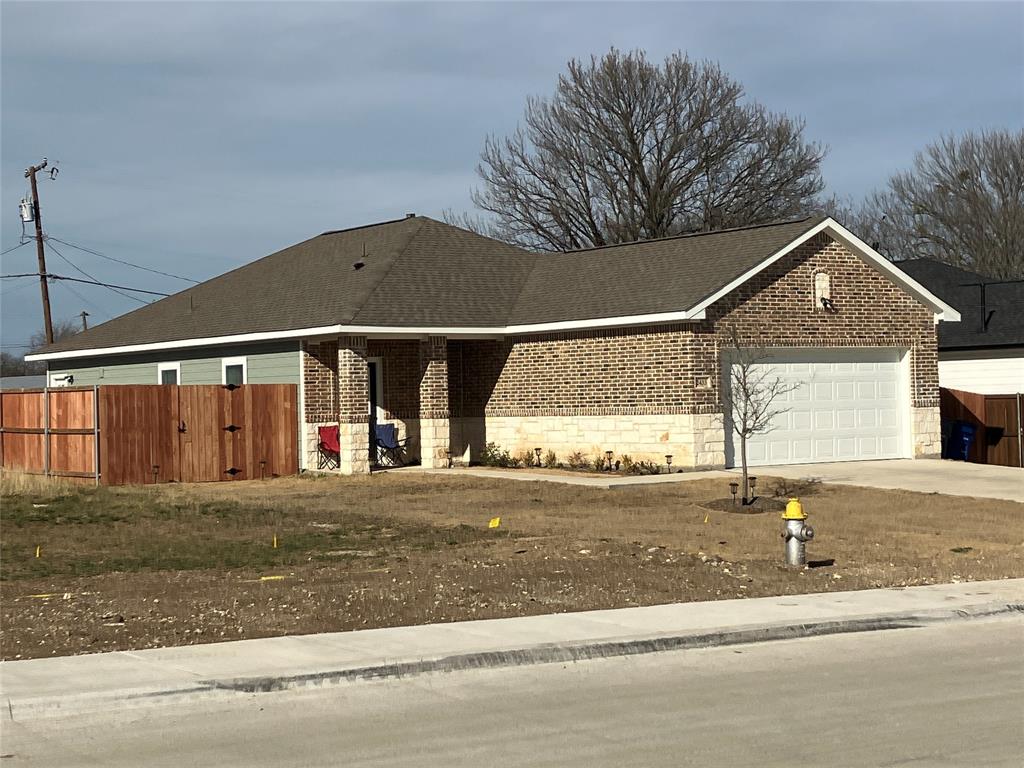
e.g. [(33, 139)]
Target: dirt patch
[(758, 506), (169, 565)]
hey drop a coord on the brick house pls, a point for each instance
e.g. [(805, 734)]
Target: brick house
[(461, 340)]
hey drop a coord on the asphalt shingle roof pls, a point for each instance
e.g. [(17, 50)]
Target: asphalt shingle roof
[(417, 272), (670, 274), (959, 288)]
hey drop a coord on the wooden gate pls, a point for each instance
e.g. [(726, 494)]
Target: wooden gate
[(152, 433), (996, 419), (1002, 430)]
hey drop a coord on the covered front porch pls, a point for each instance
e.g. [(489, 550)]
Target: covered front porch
[(357, 383)]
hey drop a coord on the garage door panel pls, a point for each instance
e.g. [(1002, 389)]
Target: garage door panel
[(845, 404), (846, 448), (889, 446)]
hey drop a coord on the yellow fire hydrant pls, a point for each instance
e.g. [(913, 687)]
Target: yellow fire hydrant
[(797, 533)]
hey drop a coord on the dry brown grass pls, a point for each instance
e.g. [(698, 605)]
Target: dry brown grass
[(183, 564)]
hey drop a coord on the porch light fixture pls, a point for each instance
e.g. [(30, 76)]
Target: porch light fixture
[(733, 489), (668, 463), (608, 457), (537, 451)]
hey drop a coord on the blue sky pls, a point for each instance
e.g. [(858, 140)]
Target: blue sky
[(194, 137)]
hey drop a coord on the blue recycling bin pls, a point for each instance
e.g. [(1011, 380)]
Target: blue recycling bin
[(960, 439)]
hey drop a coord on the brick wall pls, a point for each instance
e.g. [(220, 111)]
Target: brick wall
[(433, 387), (353, 380), (400, 376), (319, 371), (777, 308), (675, 369)]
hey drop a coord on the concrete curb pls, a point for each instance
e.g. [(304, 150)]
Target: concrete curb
[(547, 653)]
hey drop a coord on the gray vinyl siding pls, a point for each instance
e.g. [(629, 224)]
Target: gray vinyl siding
[(272, 363)]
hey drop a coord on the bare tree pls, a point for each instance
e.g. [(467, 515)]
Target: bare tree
[(750, 398), (12, 365), (62, 329), (961, 203), (628, 150)]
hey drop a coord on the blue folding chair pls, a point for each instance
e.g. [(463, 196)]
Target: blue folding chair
[(390, 450)]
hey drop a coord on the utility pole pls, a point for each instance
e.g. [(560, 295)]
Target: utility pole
[(85, 323), (43, 287)]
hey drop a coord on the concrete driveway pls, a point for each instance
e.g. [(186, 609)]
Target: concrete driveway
[(955, 478)]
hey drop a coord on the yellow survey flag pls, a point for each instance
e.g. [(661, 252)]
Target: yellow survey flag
[(495, 522)]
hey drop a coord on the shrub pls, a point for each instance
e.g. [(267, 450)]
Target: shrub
[(550, 460), (524, 459), (577, 460), (628, 464), (599, 462), (493, 456)]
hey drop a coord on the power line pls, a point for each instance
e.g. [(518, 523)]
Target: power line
[(99, 312), (16, 247), (94, 280), (111, 286), (121, 261)]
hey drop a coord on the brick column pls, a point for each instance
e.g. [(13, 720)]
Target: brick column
[(434, 413), (353, 405)]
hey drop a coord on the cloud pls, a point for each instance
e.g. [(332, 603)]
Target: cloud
[(204, 135)]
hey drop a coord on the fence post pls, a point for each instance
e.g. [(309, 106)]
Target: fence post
[(46, 431), (96, 432)]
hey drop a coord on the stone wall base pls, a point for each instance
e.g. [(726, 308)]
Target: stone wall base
[(434, 443), (926, 431), (693, 440)]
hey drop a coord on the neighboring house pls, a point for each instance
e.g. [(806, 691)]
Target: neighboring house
[(983, 353), (461, 340), (22, 382)]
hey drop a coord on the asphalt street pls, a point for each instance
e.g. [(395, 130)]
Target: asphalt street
[(944, 695)]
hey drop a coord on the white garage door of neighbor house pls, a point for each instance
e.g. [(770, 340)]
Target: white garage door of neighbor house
[(847, 404)]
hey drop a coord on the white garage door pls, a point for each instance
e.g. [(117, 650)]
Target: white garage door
[(847, 404)]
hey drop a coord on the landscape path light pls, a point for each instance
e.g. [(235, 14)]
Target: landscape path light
[(608, 457), (668, 463), (537, 451)]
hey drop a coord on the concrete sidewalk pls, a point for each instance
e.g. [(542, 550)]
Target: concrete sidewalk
[(952, 478), (77, 684)]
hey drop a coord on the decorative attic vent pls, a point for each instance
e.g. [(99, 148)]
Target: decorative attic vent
[(822, 291)]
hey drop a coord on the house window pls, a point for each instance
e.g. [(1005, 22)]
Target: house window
[(233, 371), (168, 373), (822, 290)]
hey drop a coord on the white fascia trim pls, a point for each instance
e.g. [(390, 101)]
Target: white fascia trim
[(942, 310), (377, 330), (607, 322)]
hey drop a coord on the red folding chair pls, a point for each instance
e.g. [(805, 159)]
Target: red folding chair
[(328, 448)]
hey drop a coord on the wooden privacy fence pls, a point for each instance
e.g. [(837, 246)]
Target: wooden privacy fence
[(136, 434), (997, 420)]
